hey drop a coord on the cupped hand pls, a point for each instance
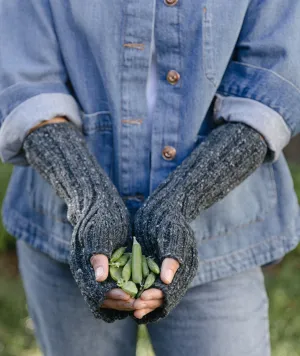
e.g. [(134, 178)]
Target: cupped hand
[(115, 298), (119, 300), (153, 298)]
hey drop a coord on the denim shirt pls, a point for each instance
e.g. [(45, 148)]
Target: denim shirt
[(216, 61)]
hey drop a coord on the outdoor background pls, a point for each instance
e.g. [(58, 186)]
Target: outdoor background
[(283, 284)]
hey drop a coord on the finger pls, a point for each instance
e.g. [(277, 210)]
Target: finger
[(118, 304), (150, 304), (168, 270), (142, 312), (117, 294), (152, 293), (100, 265)]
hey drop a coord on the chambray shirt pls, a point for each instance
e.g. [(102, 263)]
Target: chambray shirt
[(215, 61)]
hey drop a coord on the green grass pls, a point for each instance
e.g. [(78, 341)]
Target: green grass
[(16, 335), (283, 285), (296, 177), (6, 242)]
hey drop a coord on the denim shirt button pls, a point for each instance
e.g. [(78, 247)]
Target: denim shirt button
[(173, 77), (169, 153), (171, 2)]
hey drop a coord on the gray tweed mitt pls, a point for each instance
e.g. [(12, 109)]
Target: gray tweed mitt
[(228, 156), (95, 209)]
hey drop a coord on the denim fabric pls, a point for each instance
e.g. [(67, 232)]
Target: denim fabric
[(228, 317), (259, 116), (28, 114), (94, 60)]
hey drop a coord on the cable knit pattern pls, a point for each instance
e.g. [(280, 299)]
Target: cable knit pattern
[(228, 156), (95, 209)]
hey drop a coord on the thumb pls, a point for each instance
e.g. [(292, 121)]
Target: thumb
[(168, 270), (100, 265)]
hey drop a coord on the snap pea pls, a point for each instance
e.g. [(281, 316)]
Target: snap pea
[(115, 273), (121, 261), (136, 267), (117, 254), (153, 266), (126, 272), (145, 267), (149, 280), (129, 288)]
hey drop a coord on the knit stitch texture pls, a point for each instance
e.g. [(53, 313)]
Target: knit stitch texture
[(95, 209), (227, 157)]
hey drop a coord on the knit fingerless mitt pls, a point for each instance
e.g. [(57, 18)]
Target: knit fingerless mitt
[(227, 157), (95, 209)]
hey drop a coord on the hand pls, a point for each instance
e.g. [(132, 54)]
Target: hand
[(93, 283), (153, 298), (165, 234), (115, 298), (94, 207), (119, 300)]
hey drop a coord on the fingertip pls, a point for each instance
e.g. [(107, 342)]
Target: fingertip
[(170, 263), (139, 314), (168, 270), (101, 277), (136, 314), (99, 260), (167, 276), (118, 294), (100, 265), (164, 279), (153, 293)]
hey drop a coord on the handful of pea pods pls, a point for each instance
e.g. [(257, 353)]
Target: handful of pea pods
[(133, 271)]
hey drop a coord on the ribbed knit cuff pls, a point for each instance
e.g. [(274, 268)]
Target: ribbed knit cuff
[(95, 209), (174, 238)]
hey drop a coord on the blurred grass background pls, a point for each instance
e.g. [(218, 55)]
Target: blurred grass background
[(16, 330)]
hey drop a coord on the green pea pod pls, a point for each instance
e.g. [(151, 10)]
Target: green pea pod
[(129, 288), (115, 273), (126, 273), (145, 267), (136, 267), (149, 280), (153, 266), (121, 261), (117, 254)]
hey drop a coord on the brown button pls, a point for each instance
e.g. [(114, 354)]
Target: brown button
[(173, 77), (169, 153), (171, 2)]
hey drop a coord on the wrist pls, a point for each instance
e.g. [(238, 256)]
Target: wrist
[(54, 120)]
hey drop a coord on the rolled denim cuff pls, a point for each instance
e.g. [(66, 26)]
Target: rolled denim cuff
[(28, 114), (269, 123), (265, 86)]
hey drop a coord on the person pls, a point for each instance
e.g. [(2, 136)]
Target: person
[(164, 120)]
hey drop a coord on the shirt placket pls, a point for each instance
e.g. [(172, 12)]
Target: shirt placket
[(135, 135), (166, 117)]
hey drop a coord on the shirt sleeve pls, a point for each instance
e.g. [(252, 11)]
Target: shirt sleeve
[(269, 123), (264, 72), (33, 79)]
